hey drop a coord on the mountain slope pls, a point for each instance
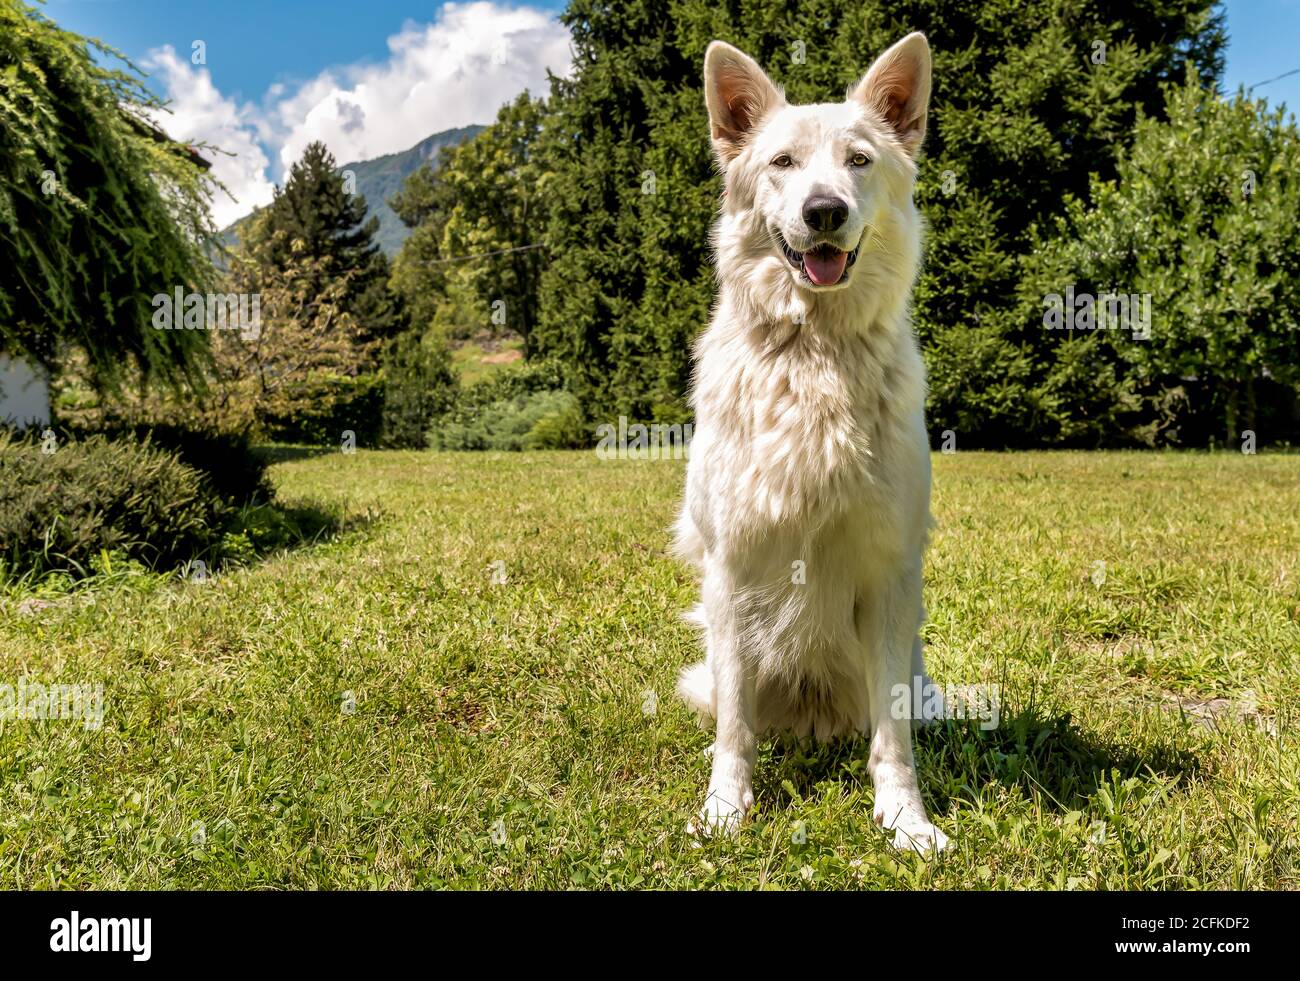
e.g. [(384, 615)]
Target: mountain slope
[(380, 178)]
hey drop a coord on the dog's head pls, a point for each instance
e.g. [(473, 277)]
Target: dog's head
[(821, 192)]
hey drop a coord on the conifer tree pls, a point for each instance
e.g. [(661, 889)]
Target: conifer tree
[(317, 219)]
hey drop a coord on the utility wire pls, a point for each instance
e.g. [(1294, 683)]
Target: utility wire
[(1275, 78), (484, 255)]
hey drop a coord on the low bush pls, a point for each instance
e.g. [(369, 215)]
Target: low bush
[(228, 461), (539, 420), (561, 427), (60, 510), (521, 407)]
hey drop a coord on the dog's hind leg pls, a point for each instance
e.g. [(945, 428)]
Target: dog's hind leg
[(695, 682)]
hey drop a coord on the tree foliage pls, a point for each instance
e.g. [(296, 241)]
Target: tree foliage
[(274, 368), (318, 219), (99, 211), (1203, 217), (1031, 98), (472, 260)]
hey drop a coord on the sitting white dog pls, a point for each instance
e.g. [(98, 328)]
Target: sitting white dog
[(807, 493)]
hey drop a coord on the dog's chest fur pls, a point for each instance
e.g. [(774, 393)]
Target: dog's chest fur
[(804, 487), (796, 423)]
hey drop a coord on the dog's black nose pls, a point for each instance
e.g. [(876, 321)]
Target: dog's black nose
[(825, 214)]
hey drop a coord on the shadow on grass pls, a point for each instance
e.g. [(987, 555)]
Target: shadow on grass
[(286, 453), (254, 531), (1034, 752)]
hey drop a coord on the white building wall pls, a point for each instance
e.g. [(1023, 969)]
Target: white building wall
[(24, 393)]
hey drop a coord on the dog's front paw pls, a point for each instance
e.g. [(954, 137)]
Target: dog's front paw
[(722, 814), (905, 816), (923, 838)]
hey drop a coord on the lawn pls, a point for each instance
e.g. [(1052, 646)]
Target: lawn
[(380, 710)]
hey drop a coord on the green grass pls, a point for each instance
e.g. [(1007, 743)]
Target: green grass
[(468, 358), (499, 736)]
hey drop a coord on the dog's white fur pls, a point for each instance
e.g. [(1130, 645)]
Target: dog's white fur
[(810, 459)]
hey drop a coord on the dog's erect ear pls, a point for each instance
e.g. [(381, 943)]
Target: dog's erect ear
[(897, 85), (738, 95)]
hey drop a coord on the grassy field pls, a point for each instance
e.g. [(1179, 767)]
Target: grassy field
[(377, 711)]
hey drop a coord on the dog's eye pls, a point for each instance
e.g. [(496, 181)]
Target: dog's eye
[(860, 160), (782, 160)]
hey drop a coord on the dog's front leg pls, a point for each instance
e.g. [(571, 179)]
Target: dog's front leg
[(893, 618), (731, 790)]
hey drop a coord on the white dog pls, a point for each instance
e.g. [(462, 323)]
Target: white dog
[(807, 493)]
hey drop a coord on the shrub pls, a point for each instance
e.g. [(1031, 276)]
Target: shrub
[(228, 461), (524, 378), (419, 386), (502, 411), (59, 511), (1201, 225), (538, 420), (561, 428)]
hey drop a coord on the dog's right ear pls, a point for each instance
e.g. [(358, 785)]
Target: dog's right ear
[(738, 95)]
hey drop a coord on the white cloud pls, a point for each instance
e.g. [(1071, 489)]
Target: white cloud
[(458, 70), (200, 113)]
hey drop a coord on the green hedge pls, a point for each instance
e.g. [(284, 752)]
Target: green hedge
[(549, 420), (340, 404), (228, 461), (60, 510)]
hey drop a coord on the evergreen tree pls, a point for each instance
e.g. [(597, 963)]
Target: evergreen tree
[(314, 208), (316, 218), (1030, 97), (605, 239)]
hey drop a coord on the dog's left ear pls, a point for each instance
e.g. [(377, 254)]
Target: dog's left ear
[(897, 86)]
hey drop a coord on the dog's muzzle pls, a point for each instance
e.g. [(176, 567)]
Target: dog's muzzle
[(822, 265)]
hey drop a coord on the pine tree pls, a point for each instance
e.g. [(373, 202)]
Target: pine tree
[(602, 127), (314, 208), (316, 218)]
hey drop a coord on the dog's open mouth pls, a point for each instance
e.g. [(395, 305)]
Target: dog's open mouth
[(822, 265)]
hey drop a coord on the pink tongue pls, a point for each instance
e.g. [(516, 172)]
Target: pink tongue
[(825, 269)]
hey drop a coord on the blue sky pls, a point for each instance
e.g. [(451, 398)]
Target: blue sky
[(376, 76), (268, 41)]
